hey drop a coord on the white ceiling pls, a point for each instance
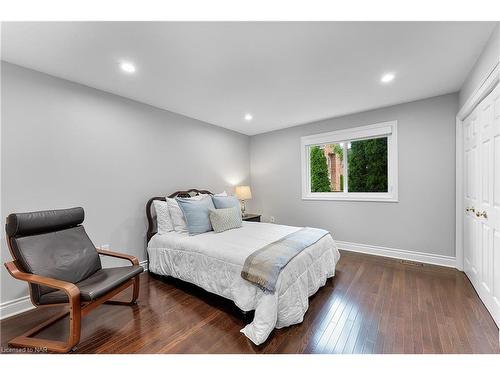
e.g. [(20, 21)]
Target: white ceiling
[(283, 73)]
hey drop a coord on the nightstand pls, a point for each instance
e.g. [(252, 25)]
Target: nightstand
[(251, 217)]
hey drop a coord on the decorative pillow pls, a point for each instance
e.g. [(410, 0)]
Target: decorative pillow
[(196, 214), (163, 220), (176, 214), (225, 218), (178, 221), (225, 202), (223, 194)]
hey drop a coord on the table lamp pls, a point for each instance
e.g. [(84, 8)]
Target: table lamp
[(243, 193)]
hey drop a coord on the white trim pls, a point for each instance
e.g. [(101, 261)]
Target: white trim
[(362, 197), (22, 304), (459, 193), (416, 256), (360, 132), (389, 129), (480, 93), (144, 264), (489, 83), (15, 306)]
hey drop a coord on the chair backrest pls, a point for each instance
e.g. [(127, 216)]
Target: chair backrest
[(52, 244)]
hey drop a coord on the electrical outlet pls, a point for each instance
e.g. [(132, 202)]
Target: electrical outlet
[(272, 219)]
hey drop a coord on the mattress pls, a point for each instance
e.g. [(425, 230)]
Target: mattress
[(213, 261)]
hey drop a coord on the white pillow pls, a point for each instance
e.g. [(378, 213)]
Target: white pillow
[(176, 214), (163, 220), (223, 194)]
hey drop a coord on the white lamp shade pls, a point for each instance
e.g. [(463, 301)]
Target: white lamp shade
[(243, 192)]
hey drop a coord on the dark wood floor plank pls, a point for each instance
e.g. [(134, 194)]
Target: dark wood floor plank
[(320, 346), (415, 315), (373, 324), (353, 334), (373, 305), (384, 295), (323, 331), (341, 339)]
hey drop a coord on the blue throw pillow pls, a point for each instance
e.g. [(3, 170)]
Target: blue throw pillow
[(225, 202), (196, 214)]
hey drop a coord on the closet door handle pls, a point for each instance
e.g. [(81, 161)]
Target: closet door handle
[(482, 214)]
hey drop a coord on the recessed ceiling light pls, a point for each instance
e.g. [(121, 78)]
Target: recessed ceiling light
[(127, 67), (248, 117), (388, 77)]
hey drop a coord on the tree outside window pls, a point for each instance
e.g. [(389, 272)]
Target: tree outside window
[(366, 161), (320, 183), (367, 166)]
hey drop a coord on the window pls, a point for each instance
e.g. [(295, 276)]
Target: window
[(351, 164)]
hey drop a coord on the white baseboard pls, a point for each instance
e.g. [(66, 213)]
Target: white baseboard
[(439, 260), (15, 306), (22, 304), (144, 264)]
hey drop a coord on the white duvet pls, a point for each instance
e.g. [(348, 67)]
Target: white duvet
[(214, 261)]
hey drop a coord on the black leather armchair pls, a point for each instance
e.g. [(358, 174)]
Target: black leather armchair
[(54, 254)]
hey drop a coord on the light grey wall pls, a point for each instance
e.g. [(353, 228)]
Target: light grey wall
[(489, 58), (65, 145), (424, 218)]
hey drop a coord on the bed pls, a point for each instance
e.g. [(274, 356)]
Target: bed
[(214, 261)]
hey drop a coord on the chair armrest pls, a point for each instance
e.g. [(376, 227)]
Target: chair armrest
[(132, 259), (70, 289)]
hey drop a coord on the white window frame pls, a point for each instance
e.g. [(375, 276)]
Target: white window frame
[(387, 129)]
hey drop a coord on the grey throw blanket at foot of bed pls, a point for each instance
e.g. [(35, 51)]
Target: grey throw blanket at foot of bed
[(263, 266)]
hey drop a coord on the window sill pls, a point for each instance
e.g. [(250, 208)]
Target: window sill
[(351, 198)]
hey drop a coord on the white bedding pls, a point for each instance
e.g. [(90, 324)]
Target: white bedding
[(214, 261)]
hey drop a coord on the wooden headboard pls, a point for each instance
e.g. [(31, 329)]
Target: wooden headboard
[(152, 228)]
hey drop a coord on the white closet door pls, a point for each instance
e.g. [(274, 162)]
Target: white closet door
[(494, 204), (471, 164), (482, 201), (485, 206)]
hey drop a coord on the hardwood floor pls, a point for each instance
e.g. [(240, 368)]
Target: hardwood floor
[(373, 305)]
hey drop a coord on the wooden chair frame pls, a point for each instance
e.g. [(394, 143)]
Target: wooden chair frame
[(76, 309)]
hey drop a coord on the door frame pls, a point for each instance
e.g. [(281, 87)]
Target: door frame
[(489, 83)]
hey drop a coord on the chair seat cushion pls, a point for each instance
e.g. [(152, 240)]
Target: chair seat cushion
[(95, 286)]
